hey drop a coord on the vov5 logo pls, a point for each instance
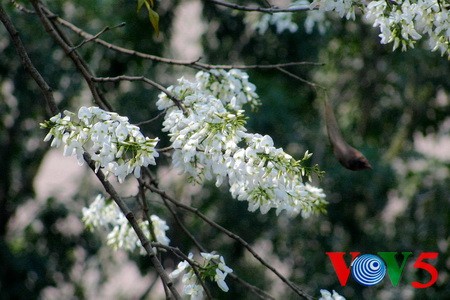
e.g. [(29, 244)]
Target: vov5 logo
[(370, 269)]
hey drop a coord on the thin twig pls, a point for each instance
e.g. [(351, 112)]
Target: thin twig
[(269, 10), (145, 295), (267, 3), (153, 182), (144, 79), (312, 84), (186, 231), (151, 120), (165, 149), (96, 36), (141, 200), (180, 224), (264, 67), (21, 8), (257, 291)]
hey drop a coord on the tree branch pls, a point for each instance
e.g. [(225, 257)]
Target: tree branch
[(144, 79), (97, 35), (255, 290), (292, 75), (26, 62), (162, 113), (269, 10), (21, 7), (132, 220)]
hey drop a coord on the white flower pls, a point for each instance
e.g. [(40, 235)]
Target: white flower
[(181, 267), (342, 7), (212, 264), (211, 142), (108, 216), (194, 290), (402, 22), (160, 227), (84, 114), (93, 215), (326, 295), (209, 256), (408, 21), (121, 132), (223, 266), (113, 144), (220, 279)]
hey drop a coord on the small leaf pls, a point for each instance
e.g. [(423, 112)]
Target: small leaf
[(154, 19), (140, 3), (148, 4)]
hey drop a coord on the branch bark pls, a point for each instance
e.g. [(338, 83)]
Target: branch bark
[(132, 220), (26, 62)]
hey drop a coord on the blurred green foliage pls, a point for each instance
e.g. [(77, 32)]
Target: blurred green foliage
[(381, 99)]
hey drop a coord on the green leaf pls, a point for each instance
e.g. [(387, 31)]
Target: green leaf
[(140, 3), (154, 19)]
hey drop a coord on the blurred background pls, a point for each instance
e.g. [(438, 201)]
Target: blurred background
[(393, 106)]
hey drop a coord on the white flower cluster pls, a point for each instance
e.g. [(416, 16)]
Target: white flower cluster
[(232, 87), (113, 143), (404, 22), (344, 8), (108, 216), (267, 177), (326, 295), (282, 21), (210, 141), (212, 268)]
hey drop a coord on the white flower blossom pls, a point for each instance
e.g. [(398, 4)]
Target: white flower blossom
[(113, 144), (107, 216), (344, 8), (209, 256), (282, 21), (408, 21), (182, 265), (98, 214), (194, 290), (401, 22), (212, 267), (160, 227), (210, 141), (326, 295)]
